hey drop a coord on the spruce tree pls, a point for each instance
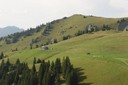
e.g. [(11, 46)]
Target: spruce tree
[(33, 69), (53, 66), (17, 61), (34, 61), (16, 79), (58, 65), (41, 73), (1, 55)]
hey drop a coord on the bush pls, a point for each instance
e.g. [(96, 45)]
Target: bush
[(66, 37)]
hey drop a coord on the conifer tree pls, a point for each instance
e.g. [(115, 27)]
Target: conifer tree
[(33, 69), (17, 61), (53, 66), (16, 79), (1, 55), (41, 73), (58, 65), (34, 61)]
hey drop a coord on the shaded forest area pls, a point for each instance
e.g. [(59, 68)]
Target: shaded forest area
[(50, 73)]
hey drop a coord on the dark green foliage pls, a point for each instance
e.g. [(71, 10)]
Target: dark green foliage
[(38, 61), (34, 61), (53, 66), (49, 78), (64, 17), (33, 79), (72, 78), (33, 69), (16, 79), (118, 21), (66, 37), (31, 45), (58, 66), (88, 29), (16, 49), (121, 20), (37, 46), (48, 28), (38, 28), (55, 41), (105, 27), (13, 50), (17, 61), (11, 74), (41, 72), (48, 74), (8, 62), (96, 29), (84, 17), (1, 38), (37, 39), (66, 63), (13, 38), (1, 55), (79, 33)]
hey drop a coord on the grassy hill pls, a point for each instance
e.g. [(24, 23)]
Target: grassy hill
[(100, 56), (67, 26)]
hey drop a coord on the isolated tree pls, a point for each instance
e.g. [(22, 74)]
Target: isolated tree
[(30, 45), (55, 41), (37, 46), (1, 55)]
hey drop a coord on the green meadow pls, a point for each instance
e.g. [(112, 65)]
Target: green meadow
[(101, 57)]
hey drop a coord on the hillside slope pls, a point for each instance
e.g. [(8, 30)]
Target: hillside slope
[(100, 56), (57, 29)]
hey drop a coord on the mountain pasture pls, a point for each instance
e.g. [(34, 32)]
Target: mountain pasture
[(101, 57)]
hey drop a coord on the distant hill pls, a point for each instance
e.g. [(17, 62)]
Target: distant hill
[(9, 30), (59, 30)]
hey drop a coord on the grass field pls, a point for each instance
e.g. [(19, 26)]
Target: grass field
[(63, 27), (101, 57)]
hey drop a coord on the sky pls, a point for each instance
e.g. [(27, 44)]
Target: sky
[(31, 13)]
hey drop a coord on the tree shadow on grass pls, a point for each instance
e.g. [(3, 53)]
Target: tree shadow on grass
[(81, 77)]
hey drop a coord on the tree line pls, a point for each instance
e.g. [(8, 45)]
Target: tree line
[(13, 38), (49, 73)]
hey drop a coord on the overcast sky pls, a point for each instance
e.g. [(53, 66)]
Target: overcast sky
[(30, 13)]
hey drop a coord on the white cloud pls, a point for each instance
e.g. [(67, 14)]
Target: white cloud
[(121, 4), (30, 13)]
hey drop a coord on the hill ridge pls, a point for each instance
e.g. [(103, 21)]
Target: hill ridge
[(60, 29)]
